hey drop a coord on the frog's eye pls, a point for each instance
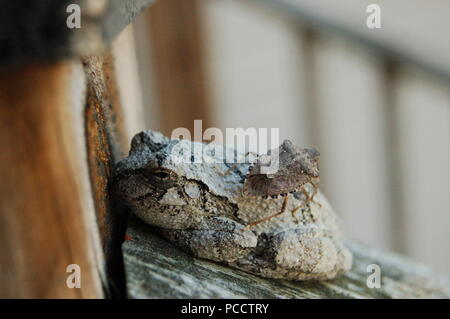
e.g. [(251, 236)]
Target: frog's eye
[(161, 178), (161, 174)]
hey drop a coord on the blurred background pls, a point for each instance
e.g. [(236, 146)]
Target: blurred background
[(375, 102)]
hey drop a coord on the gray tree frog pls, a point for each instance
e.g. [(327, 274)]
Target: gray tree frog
[(177, 186)]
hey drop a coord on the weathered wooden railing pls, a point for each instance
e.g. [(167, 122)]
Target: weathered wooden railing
[(63, 125), (156, 269)]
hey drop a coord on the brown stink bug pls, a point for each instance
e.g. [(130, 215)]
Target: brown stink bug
[(281, 171)]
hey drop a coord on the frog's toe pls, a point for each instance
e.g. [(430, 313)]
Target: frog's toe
[(309, 254)]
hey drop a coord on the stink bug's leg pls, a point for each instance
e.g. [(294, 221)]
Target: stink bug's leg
[(310, 198), (316, 188), (229, 170), (305, 192), (283, 209), (295, 211)]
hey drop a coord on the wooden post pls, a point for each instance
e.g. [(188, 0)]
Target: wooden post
[(61, 130), (45, 207), (106, 143)]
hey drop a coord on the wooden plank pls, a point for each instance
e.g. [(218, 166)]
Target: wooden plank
[(104, 146), (46, 103), (113, 115), (50, 128), (46, 214), (156, 269), (176, 40)]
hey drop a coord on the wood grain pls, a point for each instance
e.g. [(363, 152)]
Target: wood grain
[(157, 269), (43, 227), (106, 143)]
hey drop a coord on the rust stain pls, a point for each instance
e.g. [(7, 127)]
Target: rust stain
[(105, 142)]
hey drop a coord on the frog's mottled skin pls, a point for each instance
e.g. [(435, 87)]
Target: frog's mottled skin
[(168, 184)]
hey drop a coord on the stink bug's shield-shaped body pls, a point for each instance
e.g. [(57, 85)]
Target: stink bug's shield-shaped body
[(296, 167)]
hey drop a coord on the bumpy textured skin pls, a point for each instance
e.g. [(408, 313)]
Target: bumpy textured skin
[(177, 186)]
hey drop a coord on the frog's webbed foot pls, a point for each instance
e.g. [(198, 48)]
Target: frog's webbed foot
[(309, 252), (218, 239), (300, 254)]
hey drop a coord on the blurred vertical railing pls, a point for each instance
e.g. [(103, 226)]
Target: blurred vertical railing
[(175, 35)]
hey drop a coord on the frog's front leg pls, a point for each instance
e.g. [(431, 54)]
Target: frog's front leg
[(216, 238), (308, 253)]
